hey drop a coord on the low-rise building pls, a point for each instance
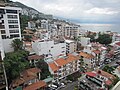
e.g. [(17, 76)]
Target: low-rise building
[(26, 78), (33, 59), (65, 66), (96, 80)]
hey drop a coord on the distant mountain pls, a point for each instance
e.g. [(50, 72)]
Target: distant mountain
[(29, 11), (24, 6)]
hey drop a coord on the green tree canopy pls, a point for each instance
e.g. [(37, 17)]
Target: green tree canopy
[(15, 63), (44, 68), (104, 39), (17, 44)]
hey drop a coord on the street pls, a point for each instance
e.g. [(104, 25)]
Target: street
[(70, 86)]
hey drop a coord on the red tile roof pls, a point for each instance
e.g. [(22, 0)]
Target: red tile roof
[(86, 55), (53, 66), (34, 70), (90, 74), (96, 51), (106, 74), (35, 86), (61, 62), (108, 82), (35, 57), (25, 76), (118, 43)]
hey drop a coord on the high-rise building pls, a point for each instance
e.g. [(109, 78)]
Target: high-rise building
[(9, 25)]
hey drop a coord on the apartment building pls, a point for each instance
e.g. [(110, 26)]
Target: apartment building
[(62, 67), (49, 48), (98, 51), (71, 31), (9, 25), (31, 25), (84, 41), (71, 46), (88, 59)]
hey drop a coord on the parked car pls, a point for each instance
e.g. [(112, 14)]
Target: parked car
[(118, 62), (62, 85), (69, 81)]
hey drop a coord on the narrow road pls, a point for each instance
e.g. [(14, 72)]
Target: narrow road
[(70, 86)]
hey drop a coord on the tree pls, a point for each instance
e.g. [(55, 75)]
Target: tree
[(17, 44), (24, 21), (104, 39), (44, 68), (15, 63)]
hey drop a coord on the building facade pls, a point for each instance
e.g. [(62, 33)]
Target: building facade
[(9, 25), (62, 67), (49, 48)]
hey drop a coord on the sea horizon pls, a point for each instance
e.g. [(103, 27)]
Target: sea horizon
[(100, 27)]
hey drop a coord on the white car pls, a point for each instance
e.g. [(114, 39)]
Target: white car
[(62, 85)]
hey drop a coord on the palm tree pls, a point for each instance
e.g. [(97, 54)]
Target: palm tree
[(17, 44)]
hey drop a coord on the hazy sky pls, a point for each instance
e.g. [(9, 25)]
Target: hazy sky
[(105, 11)]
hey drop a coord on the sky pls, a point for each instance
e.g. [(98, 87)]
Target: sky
[(84, 11)]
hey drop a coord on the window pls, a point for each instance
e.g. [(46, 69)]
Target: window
[(14, 35), (2, 11), (11, 11), (1, 16), (3, 36), (13, 26), (12, 16), (12, 21), (2, 21), (14, 31), (2, 31), (2, 26)]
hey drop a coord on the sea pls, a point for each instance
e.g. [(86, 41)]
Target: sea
[(101, 27)]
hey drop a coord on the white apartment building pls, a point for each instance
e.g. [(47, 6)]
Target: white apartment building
[(71, 31), (71, 46), (49, 48), (1, 49), (115, 37), (62, 67), (9, 25), (31, 25), (44, 24), (84, 41)]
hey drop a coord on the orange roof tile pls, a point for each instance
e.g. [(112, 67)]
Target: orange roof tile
[(35, 86), (72, 58), (26, 75), (96, 51), (86, 55), (53, 66), (34, 70), (61, 62), (106, 74), (35, 57)]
